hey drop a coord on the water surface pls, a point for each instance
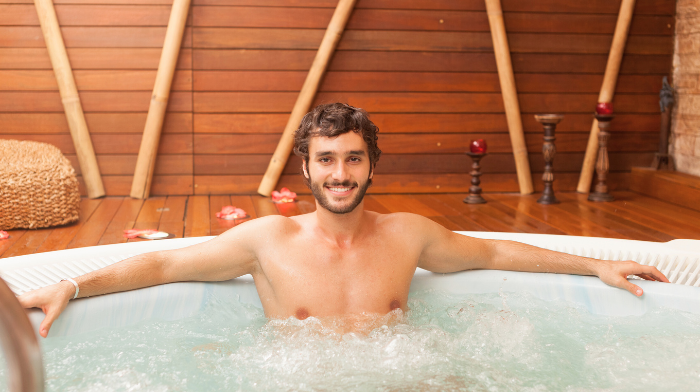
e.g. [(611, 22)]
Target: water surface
[(489, 342)]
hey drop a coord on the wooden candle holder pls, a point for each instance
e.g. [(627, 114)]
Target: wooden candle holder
[(549, 122), (475, 190), (602, 165)]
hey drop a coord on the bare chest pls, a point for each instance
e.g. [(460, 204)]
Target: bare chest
[(302, 281)]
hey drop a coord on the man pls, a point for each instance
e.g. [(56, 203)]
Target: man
[(339, 261)]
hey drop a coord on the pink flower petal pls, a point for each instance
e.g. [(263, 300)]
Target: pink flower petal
[(4, 235), (133, 233), (231, 212), (283, 196)]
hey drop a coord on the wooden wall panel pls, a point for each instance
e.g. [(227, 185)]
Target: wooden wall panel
[(643, 7), (91, 37), (232, 123), (424, 69), (403, 183), (89, 15), (114, 51), (251, 59), (92, 101), (350, 81), (235, 164), (125, 164), (108, 123), (425, 20), (414, 102), (255, 38), (91, 80), (111, 144), (91, 58), (446, 143)]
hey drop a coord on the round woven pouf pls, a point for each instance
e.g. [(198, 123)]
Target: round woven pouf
[(38, 187)]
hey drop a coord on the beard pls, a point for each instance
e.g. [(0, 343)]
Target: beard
[(341, 209)]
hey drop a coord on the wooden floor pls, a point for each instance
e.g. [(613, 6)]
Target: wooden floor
[(631, 216)]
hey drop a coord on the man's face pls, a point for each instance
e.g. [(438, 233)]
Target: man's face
[(338, 171)]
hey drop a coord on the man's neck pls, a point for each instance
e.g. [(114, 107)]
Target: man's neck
[(341, 229)]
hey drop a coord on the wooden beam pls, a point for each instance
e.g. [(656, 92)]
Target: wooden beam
[(607, 90), (306, 95), (510, 95), (145, 163), (70, 98)]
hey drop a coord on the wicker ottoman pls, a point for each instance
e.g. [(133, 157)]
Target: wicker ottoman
[(38, 187)]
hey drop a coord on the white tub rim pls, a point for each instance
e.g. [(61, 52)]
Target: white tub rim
[(586, 291)]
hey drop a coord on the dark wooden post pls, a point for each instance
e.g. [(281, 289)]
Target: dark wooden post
[(602, 165), (549, 122), (475, 190)]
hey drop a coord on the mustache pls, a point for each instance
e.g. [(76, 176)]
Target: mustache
[(341, 184)]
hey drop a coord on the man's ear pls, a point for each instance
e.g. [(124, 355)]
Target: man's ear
[(303, 167), (371, 173)]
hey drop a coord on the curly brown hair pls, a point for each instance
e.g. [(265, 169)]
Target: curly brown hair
[(335, 119)]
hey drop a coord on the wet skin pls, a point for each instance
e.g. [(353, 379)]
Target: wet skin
[(370, 275), (337, 262), (356, 262)]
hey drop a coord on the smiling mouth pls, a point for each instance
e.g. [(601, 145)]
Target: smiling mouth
[(340, 190)]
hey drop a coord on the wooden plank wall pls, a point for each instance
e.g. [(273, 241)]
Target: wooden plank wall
[(424, 68)]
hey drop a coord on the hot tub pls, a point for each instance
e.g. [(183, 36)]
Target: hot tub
[(494, 351), (679, 260)]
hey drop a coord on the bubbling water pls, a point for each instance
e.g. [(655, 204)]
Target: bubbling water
[(445, 342)]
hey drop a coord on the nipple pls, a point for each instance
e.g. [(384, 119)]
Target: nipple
[(395, 304), (302, 314)]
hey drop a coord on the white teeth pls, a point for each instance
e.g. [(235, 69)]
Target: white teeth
[(339, 189)]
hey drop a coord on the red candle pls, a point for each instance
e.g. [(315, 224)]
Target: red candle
[(604, 108), (478, 146)]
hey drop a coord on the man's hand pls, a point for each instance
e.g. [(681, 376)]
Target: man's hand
[(614, 273), (51, 300)]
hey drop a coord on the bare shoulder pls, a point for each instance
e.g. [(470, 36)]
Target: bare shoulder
[(407, 223), (264, 228), (402, 217)]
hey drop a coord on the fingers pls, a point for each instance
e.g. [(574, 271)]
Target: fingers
[(632, 288), (51, 300), (649, 273), (648, 277), (655, 273), (616, 275), (45, 326)]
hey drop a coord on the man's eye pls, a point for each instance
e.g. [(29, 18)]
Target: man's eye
[(324, 160), (354, 159)]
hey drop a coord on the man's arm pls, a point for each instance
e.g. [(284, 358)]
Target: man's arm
[(227, 256), (446, 251)]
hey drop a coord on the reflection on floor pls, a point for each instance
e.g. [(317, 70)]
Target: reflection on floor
[(630, 216)]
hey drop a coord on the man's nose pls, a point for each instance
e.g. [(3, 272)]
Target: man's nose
[(341, 172)]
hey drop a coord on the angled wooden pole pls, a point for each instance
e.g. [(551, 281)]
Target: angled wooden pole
[(510, 95), (607, 91), (306, 95), (70, 98), (143, 174)]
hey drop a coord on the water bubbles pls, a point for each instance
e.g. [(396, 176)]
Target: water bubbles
[(445, 342)]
